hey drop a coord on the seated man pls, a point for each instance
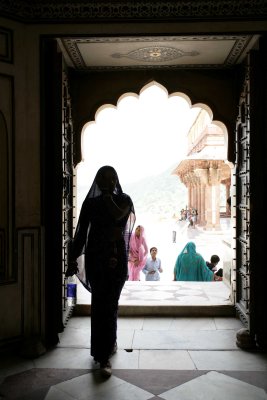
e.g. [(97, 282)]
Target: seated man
[(212, 265)]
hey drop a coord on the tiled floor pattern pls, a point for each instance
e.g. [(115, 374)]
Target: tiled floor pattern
[(175, 293), (158, 358), (172, 293)]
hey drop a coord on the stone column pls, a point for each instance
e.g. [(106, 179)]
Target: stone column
[(198, 201), (202, 179), (208, 208), (197, 198), (203, 206), (191, 188), (194, 182), (196, 205), (190, 195), (214, 178), (202, 174), (193, 195)]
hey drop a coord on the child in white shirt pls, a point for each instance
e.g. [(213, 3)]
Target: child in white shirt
[(153, 266)]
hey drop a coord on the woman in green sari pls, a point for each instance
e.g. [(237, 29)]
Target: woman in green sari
[(191, 266)]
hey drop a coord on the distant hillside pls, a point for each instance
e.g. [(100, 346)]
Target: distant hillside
[(163, 195)]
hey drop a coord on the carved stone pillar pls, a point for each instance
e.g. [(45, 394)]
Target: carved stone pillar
[(214, 178), (208, 208), (194, 183), (196, 205), (193, 195), (202, 179), (193, 204), (191, 180), (198, 200), (201, 216), (202, 174), (196, 192), (189, 195)]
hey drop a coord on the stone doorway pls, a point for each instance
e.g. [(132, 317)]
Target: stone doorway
[(218, 240)]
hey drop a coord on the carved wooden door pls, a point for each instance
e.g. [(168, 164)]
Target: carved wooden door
[(242, 204), (67, 198)]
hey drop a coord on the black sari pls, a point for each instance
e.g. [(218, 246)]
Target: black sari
[(101, 245)]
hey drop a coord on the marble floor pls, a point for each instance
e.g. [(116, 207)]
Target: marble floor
[(169, 293), (172, 358), (168, 298)]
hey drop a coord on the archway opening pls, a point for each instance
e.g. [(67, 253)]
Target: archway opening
[(145, 136)]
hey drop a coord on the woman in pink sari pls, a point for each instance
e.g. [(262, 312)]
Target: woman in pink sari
[(137, 254)]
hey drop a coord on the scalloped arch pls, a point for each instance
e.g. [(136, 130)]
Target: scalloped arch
[(159, 85), (102, 108), (152, 83), (122, 97), (182, 95), (204, 107), (170, 95)]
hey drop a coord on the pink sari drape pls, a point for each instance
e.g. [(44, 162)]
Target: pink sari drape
[(138, 251)]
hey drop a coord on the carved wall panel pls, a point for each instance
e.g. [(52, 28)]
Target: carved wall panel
[(243, 204), (67, 168), (7, 270), (29, 261)]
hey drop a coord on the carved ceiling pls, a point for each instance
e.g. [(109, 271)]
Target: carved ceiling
[(144, 52), (117, 51), (42, 11)]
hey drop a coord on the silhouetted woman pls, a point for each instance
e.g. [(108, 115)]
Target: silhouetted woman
[(102, 235)]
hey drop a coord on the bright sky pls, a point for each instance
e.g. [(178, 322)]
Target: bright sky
[(142, 136)]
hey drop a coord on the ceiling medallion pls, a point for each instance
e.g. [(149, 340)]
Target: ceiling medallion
[(156, 54)]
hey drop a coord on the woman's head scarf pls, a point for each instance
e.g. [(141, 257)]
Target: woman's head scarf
[(137, 241), (190, 249), (95, 190), (188, 255)]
